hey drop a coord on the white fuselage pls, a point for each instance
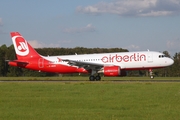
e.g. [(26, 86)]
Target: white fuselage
[(126, 60)]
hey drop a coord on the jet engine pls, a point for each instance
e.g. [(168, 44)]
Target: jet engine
[(114, 71)]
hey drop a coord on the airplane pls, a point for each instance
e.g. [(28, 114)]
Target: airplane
[(109, 64)]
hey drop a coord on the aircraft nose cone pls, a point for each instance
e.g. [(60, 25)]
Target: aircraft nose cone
[(170, 61)]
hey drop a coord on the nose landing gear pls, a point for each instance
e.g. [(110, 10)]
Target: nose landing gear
[(151, 74)]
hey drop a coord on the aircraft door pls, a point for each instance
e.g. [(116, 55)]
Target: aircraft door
[(41, 63), (150, 57)]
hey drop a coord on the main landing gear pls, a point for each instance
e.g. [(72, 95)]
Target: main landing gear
[(151, 74), (95, 78)]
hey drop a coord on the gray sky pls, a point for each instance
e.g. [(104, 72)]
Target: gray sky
[(130, 24)]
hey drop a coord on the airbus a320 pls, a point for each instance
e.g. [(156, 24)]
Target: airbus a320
[(109, 64)]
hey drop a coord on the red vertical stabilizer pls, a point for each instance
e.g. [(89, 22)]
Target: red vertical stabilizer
[(22, 48)]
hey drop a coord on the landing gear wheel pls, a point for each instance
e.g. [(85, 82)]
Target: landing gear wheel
[(152, 77), (91, 78), (98, 78)]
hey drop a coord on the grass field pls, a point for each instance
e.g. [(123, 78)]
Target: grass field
[(89, 101), (87, 78)]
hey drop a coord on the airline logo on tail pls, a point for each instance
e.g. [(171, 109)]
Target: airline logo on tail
[(20, 45)]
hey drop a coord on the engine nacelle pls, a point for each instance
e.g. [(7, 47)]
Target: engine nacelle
[(114, 71)]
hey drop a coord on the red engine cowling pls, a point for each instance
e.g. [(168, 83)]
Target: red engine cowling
[(114, 71)]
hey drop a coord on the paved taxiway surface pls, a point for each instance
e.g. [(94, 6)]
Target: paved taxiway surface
[(90, 81)]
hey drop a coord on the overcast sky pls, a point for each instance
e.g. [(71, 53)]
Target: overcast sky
[(130, 24)]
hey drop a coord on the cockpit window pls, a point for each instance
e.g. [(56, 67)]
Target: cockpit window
[(161, 56)]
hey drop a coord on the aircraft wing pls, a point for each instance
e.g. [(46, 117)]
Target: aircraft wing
[(84, 64)]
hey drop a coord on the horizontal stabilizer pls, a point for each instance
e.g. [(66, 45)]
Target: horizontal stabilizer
[(17, 63)]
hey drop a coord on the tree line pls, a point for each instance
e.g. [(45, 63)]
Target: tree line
[(8, 53)]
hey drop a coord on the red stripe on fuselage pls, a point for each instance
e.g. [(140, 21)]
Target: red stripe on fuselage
[(143, 68), (49, 67)]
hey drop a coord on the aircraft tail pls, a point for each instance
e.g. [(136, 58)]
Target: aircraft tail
[(22, 48)]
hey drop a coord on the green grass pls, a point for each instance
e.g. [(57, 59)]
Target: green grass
[(87, 78), (89, 101)]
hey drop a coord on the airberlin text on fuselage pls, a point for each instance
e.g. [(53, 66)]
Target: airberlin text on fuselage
[(123, 58)]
